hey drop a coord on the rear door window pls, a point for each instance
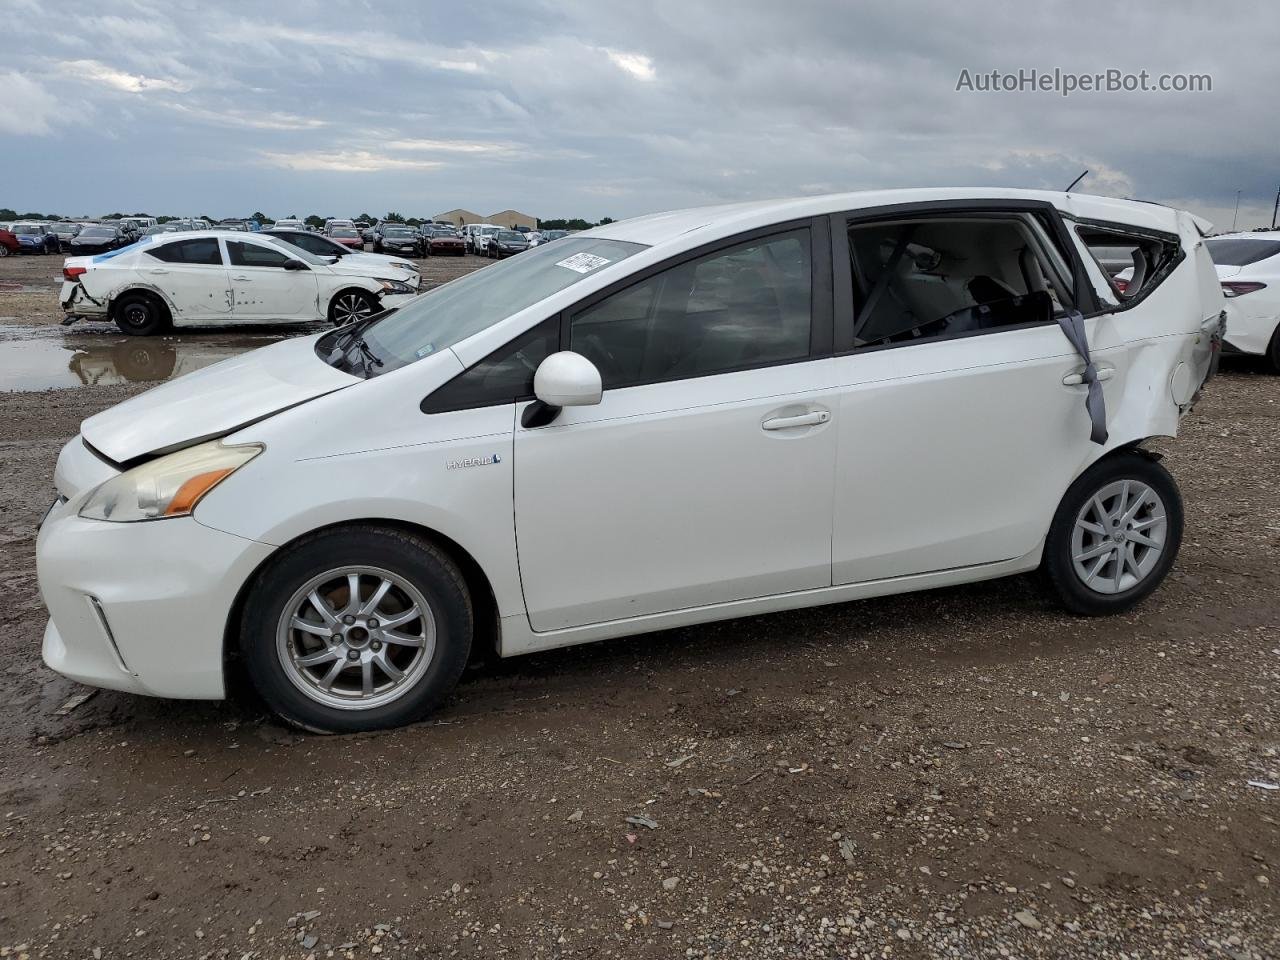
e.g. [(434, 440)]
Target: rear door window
[(925, 279), (201, 250)]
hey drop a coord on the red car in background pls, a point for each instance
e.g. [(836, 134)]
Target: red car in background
[(443, 240), (8, 243), (347, 236)]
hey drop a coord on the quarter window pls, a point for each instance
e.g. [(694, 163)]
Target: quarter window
[(928, 279), (505, 376), (747, 306), (202, 250), (252, 255), (1131, 264)]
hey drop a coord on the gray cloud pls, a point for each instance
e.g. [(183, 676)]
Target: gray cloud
[(578, 108)]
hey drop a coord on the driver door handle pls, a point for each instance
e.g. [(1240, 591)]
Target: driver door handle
[(159, 270), (1075, 379), (242, 278), (800, 420)]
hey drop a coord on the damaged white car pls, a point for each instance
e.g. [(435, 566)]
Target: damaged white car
[(664, 421), (223, 277)]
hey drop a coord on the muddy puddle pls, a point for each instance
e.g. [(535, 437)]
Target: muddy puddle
[(42, 358)]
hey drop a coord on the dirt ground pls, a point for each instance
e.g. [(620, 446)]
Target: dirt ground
[(965, 773)]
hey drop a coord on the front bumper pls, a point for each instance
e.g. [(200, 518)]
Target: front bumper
[(140, 607)]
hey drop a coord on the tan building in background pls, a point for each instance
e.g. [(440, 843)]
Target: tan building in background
[(503, 218)]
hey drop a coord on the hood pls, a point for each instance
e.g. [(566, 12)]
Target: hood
[(383, 269), (367, 261), (215, 401)]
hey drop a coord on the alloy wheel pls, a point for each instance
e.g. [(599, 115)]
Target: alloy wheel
[(1119, 536), (356, 637), (351, 307)]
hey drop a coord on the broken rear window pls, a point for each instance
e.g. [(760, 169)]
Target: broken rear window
[(1132, 263)]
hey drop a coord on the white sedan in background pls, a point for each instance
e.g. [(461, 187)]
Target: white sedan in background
[(678, 419), (1249, 267), (216, 277)]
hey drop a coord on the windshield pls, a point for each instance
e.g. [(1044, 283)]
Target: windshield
[(340, 232), (457, 310), (22, 230), (1240, 253), (98, 232), (395, 232), (507, 236)]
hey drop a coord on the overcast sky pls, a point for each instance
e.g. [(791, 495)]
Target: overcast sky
[(596, 108)]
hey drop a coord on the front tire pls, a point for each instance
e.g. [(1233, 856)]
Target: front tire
[(1115, 535), (358, 628), (351, 305), (141, 314)]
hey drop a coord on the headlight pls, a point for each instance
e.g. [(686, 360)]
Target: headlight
[(395, 286), (169, 486)]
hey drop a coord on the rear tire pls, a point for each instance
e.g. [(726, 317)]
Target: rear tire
[(378, 670), (1115, 536), (1273, 352), (141, 314)]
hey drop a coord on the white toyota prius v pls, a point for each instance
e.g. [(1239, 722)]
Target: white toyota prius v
[(670, 420)]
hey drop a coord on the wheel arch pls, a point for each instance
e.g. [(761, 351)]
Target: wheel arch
[(484, 601), (115, 296)]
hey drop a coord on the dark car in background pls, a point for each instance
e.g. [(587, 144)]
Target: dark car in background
[(443, 241), (66, 232), (98, 238), (506, 243), (8, 243), (398, 239), (35, 238)]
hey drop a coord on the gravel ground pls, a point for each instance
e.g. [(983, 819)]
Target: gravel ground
[(965, 772)]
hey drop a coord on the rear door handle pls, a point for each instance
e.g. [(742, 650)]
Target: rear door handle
[(159, 270), (242, 279), (1075, 379), (800, 420)]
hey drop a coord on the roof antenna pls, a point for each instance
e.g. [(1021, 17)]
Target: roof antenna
[(1076, 180)]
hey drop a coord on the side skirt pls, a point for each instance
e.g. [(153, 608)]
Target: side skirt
[(517, 637)]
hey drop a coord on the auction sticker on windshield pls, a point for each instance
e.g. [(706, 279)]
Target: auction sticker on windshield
[(582, 262)]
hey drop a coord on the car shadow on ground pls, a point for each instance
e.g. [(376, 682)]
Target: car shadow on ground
[(972, 623)]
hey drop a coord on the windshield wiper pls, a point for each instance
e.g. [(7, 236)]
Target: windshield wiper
[(370, 358)]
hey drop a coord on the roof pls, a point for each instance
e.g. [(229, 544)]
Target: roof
[(702, 224)]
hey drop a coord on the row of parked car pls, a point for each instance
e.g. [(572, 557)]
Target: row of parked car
[(92, 236), (433, 238)]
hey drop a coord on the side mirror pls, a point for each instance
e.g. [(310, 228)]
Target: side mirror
[(564, 379), (294, 265), (567, 379)]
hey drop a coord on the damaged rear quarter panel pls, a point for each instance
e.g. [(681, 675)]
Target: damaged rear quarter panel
[(1166, 330)]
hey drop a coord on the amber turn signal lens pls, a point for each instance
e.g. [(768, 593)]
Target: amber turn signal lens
[(189, 494)]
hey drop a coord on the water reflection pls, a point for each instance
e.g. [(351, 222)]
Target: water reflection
[(42, 363)]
